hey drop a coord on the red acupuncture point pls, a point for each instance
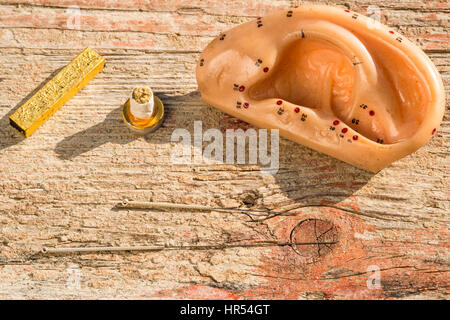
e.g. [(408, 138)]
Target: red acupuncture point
[(246, 105), (241, 88), (372, 113), (279, 102), (391, 32), (266, 69), (355, 138), (335, 122), (344, 130), (347, 11), (297, 110), (434, 131)]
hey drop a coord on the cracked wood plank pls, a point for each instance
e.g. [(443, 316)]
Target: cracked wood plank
[(58, 187)]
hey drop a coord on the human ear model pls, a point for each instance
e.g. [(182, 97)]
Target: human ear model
[(328, 78)]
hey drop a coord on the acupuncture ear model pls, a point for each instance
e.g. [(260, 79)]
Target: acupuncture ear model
[(328, 78)]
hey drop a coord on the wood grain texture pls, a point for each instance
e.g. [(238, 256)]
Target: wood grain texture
[(58, 187)]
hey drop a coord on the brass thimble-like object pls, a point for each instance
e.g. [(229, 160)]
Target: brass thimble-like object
[(143, 112)]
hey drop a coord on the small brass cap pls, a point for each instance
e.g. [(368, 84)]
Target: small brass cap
[(144, 126)]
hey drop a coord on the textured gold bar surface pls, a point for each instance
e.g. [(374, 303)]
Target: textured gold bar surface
[(57, 91)]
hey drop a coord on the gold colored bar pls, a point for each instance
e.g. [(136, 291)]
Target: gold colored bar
[(57, 91)]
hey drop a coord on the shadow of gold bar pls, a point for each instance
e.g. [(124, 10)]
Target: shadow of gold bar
[(57, 91)]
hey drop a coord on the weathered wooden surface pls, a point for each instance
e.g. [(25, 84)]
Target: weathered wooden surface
[(58, 187)]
